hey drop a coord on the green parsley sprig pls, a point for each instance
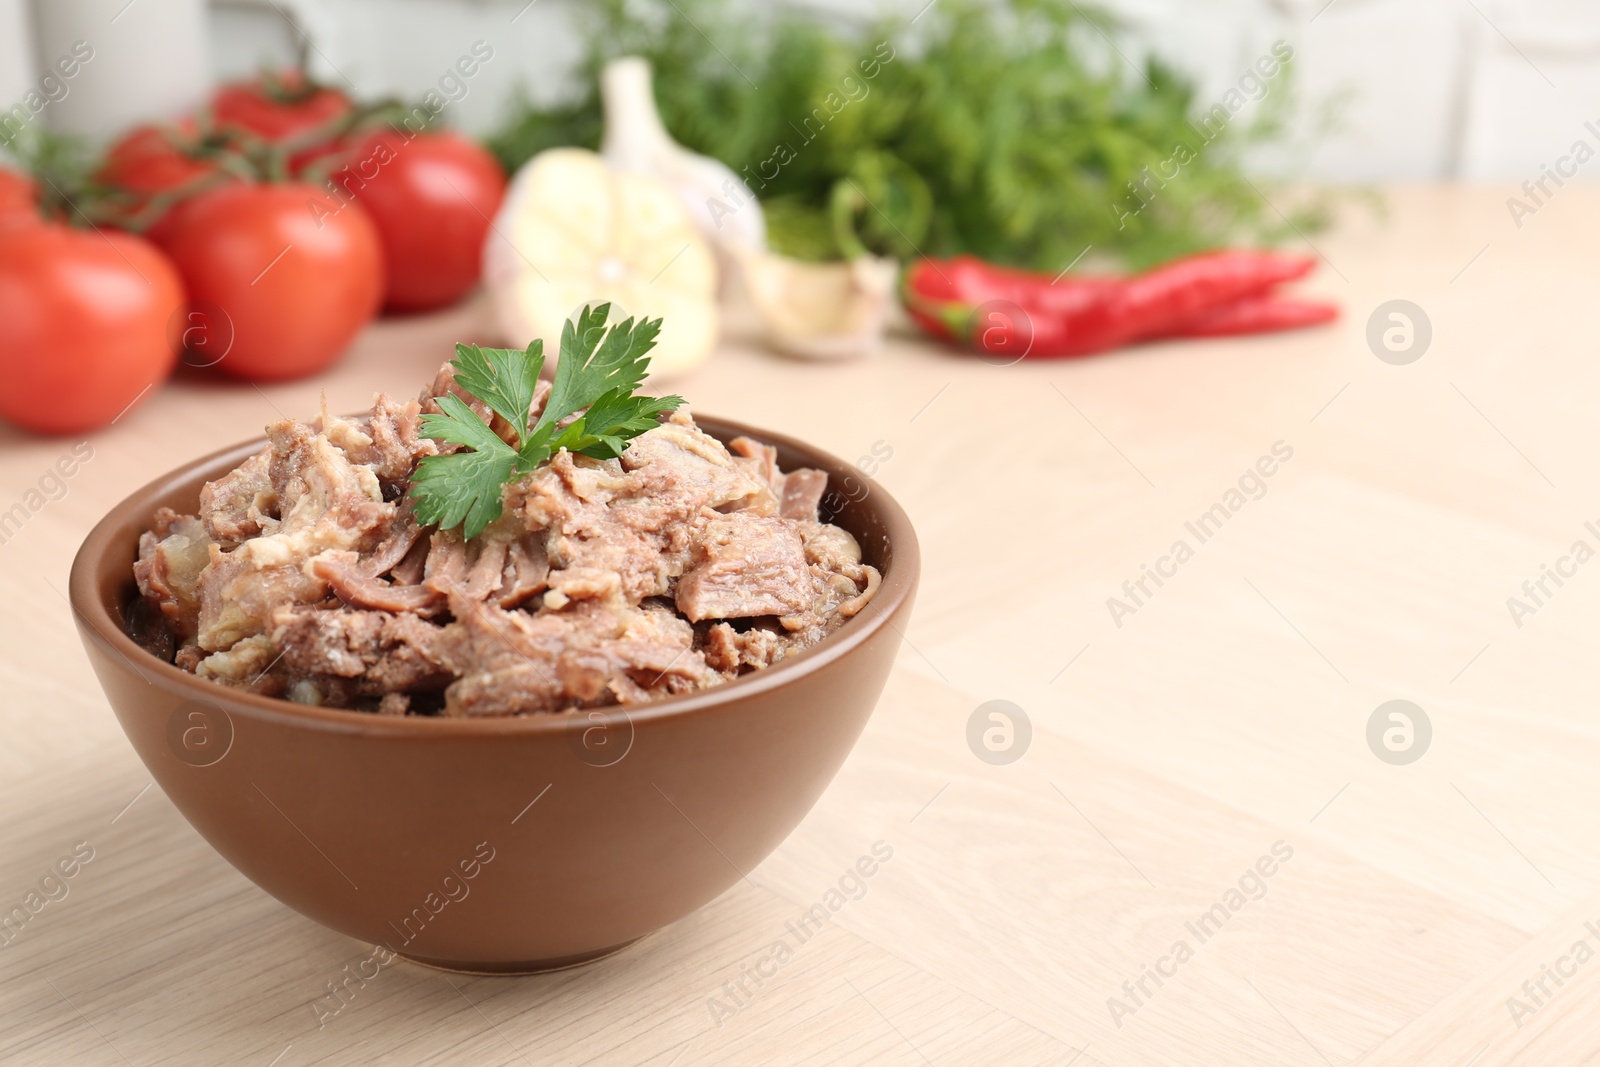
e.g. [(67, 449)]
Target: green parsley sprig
[(600, 368)]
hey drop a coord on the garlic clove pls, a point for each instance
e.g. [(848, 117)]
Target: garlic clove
[(821, 311)]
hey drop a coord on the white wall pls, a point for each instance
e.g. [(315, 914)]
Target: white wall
[(1477, 89), (16, 52)]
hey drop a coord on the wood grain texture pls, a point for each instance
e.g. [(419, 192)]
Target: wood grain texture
[(1224, 716)]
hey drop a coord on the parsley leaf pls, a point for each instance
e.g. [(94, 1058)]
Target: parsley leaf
[(591, 366), (599, 369), (463, 488), (503, 378), (602, 431)]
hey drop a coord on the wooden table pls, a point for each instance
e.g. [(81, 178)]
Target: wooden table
[(1221, 718)]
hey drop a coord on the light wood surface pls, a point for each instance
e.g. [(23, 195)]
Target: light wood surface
[(1228, 713)]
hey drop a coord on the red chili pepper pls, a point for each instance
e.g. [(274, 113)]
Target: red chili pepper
[(1260, 314), (1013, 312)]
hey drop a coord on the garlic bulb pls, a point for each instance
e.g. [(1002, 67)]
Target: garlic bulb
[(721, 205), (573, 230)]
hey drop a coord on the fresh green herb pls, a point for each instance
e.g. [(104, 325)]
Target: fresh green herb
[(1008, 129), (600, 368)]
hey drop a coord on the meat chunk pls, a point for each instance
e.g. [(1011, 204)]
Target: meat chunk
[(325, 503), (526, 572), (798, 492), (831, 548), (172, 556), (404, 533), (242, 666), (593, 517), (746, 565), (685, 469), (348, 580), (385, 653), (238, 596), (311, 475), (761, 460), (410, 570), (389, 440), (471, 570), (844, 585), (512, 663), (241, 503), (732, 653), (637, 517), (802, 493)]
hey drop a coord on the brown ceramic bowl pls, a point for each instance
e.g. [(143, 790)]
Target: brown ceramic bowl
[(508, 845)]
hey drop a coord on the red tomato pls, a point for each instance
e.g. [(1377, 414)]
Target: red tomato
[(279, 108), (83, 325), (432, 198), (19, 198), (296, 288), (151, 160)]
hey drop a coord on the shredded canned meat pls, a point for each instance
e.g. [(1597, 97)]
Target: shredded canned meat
[(306, 575)]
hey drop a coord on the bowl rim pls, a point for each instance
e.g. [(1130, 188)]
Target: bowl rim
[(132, 514)]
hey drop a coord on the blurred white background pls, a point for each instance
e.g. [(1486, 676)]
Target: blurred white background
[(1431, 89)]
